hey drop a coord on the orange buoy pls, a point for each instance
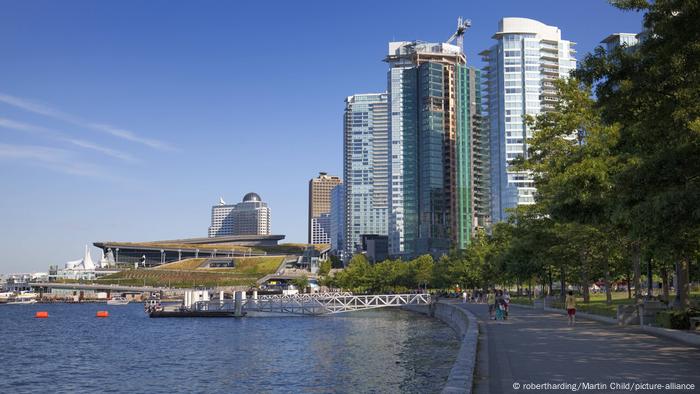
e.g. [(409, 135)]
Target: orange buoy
[(41, 315), (102, 314)]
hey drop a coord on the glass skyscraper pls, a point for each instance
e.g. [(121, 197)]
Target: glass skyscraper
[(365, 168), (519, 74), (433, 109)]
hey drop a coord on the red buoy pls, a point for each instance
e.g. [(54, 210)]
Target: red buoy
[(102, 314), (42, 315)]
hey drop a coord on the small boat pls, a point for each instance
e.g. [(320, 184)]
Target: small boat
[(118, 301), (22, 299)]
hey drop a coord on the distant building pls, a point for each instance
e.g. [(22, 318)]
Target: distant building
[(620, 39), (221, 219), (521, 68), (365, 168), (249, 217), (375, 247), (434, 104), (155, 253), (338, 221), (320, 207)]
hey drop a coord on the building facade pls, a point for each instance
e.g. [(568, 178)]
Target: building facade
[(365, 168), (221, 219), (249, 217), (520, 70), (435, 106), (320, 207), (338, 221), (615, 40)]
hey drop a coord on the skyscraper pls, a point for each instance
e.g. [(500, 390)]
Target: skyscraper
[(519, 74), (249, 217), (365, 168), (221, 221), (320, 207), (434, 110), (337, 233)]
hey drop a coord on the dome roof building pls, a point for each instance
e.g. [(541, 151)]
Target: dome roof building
[(251, 197), (251, 216)]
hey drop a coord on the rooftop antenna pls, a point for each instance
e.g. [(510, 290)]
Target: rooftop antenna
[(462, 26)]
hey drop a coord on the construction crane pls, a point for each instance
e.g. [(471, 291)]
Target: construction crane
[(462, 26)]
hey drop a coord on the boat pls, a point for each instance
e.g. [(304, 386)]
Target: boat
[(117, 301), (21, 302), (22, 299)]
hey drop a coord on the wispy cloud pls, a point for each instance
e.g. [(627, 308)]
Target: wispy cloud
[(34, 129), (53, 158), (48, 111)]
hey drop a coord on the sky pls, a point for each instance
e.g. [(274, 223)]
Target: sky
[(127, 120)]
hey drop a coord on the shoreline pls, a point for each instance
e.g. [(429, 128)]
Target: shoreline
[(465, 326)]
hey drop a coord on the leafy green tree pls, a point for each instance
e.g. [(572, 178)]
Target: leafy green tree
[(301, 283), (421, 271), (652, 93), (325, 268)]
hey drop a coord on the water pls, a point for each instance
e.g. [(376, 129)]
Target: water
[(385, 350)]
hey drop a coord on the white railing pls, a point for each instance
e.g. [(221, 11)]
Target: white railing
[(329, 303)]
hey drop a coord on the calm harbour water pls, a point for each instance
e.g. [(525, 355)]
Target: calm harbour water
[(385, 350)]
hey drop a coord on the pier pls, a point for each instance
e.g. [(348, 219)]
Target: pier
[(300, 305)]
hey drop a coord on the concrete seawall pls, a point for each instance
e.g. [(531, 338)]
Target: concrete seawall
[(464, 324)]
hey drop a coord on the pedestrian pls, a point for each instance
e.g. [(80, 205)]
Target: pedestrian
[(491, 301), (500, 306), (571, 308), (464, 297)]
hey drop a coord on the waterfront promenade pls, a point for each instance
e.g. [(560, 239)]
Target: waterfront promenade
[(535, 346)]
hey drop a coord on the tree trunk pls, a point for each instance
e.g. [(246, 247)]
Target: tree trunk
[(551, 284), (629, 286), (529, 290), (585, 279), (664, 282), (684, 284), (636, 264), (562, 291), (650, 280), (608, 290)]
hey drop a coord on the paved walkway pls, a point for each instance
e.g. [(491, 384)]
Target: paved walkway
[(538, 347)]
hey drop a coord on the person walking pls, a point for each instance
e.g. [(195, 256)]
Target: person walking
[(491, 301), (571, 308)]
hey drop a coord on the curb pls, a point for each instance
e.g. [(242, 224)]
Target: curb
[(681, 336)]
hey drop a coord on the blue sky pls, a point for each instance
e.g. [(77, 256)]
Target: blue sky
[(126, 120)]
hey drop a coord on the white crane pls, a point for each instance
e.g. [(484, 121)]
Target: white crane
[(462, 26)]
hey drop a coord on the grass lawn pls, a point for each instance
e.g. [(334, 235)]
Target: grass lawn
[(521, 300), (186, 273), (597, 305), (186, 264)]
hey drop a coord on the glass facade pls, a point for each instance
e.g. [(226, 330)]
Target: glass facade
[(519, 74), (433, 104), (365, 168)]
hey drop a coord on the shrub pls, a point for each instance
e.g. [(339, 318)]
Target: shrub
[(677, 320)]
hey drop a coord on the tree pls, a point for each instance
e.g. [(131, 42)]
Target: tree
[(301, 283), (421, 271), (653, 93)]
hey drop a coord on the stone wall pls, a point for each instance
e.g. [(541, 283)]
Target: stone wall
[(464, 324)]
